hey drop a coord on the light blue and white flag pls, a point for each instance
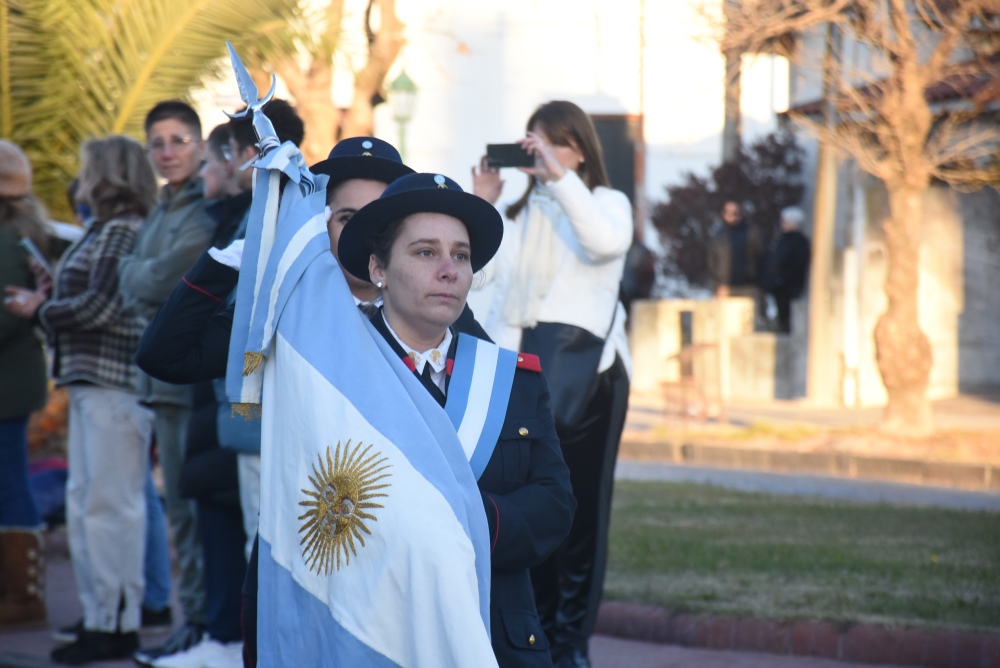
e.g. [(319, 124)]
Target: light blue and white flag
[(374, 546), (274, 219)]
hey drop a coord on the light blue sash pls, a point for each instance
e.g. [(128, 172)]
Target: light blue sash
[(478, 393)]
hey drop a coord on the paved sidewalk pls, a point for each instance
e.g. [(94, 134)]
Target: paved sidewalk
[(967, 412), (609, 652), (807, 484), (654, 434)]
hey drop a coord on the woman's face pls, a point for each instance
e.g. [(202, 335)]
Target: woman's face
[(217, 176), (347, 198), (428, 275), (568, 157)]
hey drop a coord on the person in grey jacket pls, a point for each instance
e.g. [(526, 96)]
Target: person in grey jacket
[(175, 233)]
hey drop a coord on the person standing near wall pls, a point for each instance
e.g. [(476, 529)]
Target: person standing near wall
[(735, 256), (558, 275), (787, 266)]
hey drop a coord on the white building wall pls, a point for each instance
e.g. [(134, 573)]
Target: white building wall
[(483, 67)]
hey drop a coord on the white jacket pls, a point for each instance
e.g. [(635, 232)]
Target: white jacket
[(594, 234)]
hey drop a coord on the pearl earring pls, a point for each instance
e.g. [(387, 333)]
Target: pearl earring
[(378, 284)]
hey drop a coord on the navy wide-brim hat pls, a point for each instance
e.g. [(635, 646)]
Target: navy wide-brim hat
[(362, 158), (420, 193)]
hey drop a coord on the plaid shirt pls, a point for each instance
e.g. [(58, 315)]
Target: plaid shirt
[(93, 339)]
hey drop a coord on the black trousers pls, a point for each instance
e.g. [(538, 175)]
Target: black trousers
[(222, 538), (569, 584), (248, 613)]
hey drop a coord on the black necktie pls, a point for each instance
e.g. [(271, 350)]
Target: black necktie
[(368, 308)]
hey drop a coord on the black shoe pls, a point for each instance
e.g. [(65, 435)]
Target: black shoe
[(157, 621), (183, 638), (69, 633), (575, 659), (97, 646)]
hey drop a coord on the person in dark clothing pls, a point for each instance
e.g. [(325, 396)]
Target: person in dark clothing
[(787, 266), (424, 238), (735, 256)]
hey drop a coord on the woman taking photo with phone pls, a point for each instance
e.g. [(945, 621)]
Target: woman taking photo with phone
[(556, 279)]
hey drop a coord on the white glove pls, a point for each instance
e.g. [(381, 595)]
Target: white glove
[(231, 255)]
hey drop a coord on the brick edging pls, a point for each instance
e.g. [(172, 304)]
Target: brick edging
[(981, 477), (859, 642)]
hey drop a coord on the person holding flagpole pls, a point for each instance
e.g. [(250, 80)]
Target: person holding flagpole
[(401, 505), (420, 244), (188, 339)]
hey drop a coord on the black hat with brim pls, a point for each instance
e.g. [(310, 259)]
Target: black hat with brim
[(420, 193), (362, 158)]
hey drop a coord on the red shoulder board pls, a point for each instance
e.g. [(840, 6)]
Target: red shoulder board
[(529, 362)]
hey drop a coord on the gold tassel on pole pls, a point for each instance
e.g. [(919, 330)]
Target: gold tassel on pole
[(252, 363), (246, 411)]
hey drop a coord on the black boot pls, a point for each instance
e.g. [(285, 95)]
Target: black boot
[(97, 646)]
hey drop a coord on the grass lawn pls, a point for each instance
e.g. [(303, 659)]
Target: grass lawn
[(697, 548)]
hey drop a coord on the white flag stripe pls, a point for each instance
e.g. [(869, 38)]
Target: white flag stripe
[(268, 232), (375, 591), (478, 407), (316, 225)]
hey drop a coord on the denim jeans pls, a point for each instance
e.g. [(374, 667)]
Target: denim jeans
[(17, 507), (156, 569), (171, 426)]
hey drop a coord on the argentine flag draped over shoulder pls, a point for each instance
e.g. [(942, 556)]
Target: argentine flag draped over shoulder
[(374, 545)]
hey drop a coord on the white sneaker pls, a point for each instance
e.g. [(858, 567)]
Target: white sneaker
[(230, 656), (205, 654)]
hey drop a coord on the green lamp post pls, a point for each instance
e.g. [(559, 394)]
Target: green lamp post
[(402, 99)]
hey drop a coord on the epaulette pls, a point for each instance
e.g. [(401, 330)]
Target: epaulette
[(529, 362)]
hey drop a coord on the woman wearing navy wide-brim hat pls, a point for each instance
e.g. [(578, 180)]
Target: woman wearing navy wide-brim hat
[(420, 244)]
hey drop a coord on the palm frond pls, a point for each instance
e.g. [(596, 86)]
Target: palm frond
[(100, 65)]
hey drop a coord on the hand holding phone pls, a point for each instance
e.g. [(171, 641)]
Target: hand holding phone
[(29, 247), (508, 155)]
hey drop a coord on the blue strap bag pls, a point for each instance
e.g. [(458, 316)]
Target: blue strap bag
[(235, 432)]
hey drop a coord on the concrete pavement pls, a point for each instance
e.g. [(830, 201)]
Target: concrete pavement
[(830, 487)]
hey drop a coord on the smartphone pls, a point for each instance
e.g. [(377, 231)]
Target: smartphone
[(508, 155), (29, 247)]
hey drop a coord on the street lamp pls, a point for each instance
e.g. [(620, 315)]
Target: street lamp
[(402, 98)]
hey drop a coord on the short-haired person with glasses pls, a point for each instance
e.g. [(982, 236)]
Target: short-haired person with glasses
[(175, 233)]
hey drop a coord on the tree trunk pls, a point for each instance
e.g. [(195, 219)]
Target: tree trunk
[(313, 102), (732, 130), (382, 52), (903, 351)]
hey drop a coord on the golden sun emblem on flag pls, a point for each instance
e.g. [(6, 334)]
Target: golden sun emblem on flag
[(339, 501)]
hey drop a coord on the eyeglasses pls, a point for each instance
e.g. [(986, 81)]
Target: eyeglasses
[(177, 143), (227, 152)]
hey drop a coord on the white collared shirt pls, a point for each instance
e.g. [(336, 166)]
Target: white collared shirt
[(437, 357)]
